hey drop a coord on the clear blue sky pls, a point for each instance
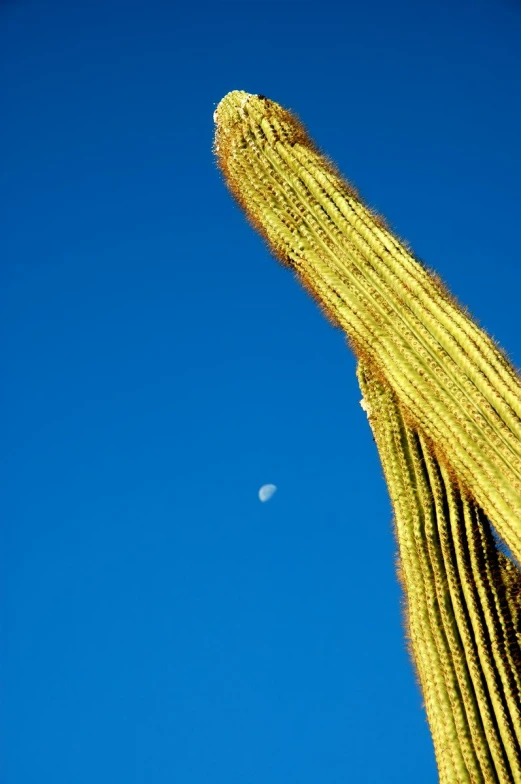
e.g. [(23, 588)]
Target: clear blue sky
[(159, 624)]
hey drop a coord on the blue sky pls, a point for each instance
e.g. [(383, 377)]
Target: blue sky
[(160, 624)]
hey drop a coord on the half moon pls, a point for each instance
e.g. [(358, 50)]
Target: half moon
[(266, 492)]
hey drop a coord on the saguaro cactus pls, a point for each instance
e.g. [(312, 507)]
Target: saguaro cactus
[(445, 407), (463, 602)]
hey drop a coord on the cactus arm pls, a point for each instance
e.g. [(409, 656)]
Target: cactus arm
[(467, 677), (429, 648), (448, 374)]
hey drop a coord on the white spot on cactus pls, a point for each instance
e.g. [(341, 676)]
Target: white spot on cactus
[(365, 407)]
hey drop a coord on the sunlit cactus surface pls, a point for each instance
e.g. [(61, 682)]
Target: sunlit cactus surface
[(444, 404)]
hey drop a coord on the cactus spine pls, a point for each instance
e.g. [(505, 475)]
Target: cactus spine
[(445, 408)]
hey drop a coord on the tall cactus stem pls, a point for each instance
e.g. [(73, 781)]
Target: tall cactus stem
[(467, 678), (444, 404), (448, 373)]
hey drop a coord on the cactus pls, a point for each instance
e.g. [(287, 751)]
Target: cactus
[(463, 602), (444, 404)]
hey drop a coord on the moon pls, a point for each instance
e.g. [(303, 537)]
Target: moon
[(266, 492)]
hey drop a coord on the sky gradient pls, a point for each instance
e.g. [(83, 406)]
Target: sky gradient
[(158, 622)]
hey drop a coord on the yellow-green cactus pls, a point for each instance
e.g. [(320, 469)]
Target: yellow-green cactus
[(463, 602), (445, 407)]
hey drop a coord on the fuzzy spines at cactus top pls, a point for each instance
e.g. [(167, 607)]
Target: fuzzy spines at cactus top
[(257, 115), (243, 119)]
